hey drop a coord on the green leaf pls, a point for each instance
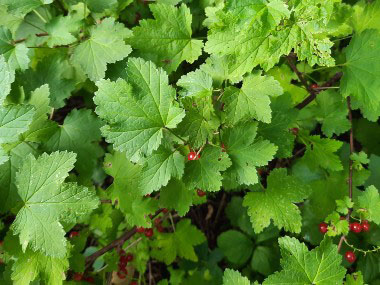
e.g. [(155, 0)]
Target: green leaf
[(79, 133), (31, 265), (265, 260), (331, 111), (131, 126), (176, 196), (277, 131), (166, 39), (368, 204), (41, 127), (251, 34), (125, 189), (200, 122), (361, 72), (196, 84), (366, 15), (354, 279), (23, 7), (16, 55), (242, 249), (14, 120), (205, 173), (344, 205), (60, 31), (105, 45), (233, 277), (7, 76), (252, 100), (159, 168), (245, 153), (51, 71), (237, 214), (8, 190), (276, 202), (179, 243), (301, 266), (321, 152), (46, 200)]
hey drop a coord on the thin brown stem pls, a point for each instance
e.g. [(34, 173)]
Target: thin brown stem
[(292, 58), (116, 243), (337, 76), (24, 39)]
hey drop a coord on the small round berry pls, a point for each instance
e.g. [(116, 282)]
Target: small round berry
[(121, 275), (123, 260), (314, 86), (140, 230), (295, 131), (74, 234), (201, 193), (323, 227), (129, 257), (223, 147), (148, 232), (133, 283), (78, 276), (350, 256), (365, 226), (192, 156), (157, 221), (160, 229), (356, 227), (165, 211), (90, 279)]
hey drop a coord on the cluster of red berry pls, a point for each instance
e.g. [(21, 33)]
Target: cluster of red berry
[(148, 232), (123, 261), (80, 277), (354, 227)]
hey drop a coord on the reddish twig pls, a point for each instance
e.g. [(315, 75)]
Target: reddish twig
[(116, 243), (292, 63), (313, 92), (337, 76), (37, 35)]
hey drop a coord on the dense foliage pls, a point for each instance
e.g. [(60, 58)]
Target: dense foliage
[(229, 142)]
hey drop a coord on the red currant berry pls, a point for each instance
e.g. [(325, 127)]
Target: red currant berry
[(323, 228), (121, 275), (123, 260), (89, 279), (140, 230), (294, 131), (365, 226), (201, 193), (193, 156), (165, 211), (157, 221), (74, 234), (148, 232), (350, 256), (223, 147), (314, 86), (133, 283), (356, 227), (78, 276), (160, 229), (129, 257)]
